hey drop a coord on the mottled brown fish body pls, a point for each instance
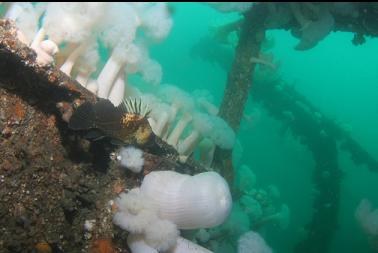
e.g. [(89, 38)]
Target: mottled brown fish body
[(114, 122)]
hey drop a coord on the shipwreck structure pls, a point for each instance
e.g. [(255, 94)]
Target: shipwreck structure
[(310, 22), (52, 180)]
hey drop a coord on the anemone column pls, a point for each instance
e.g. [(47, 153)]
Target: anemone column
[(239, 80)]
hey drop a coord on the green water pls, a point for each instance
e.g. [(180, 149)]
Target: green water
[(336, 76)]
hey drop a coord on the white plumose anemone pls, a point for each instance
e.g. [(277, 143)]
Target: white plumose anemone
[(252, 242), (135, 211), (131, 158), (168, 201), (136, 215), (191, 202)]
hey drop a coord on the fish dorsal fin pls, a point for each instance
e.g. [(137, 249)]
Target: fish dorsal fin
[(135, 106)]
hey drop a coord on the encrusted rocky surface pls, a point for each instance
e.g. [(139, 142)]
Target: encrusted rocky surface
[(51, 179)]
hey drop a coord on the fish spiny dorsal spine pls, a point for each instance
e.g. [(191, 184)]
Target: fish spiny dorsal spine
[(136, 106)]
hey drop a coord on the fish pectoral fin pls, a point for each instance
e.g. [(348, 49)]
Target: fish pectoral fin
[(117, 142), (94, 135)]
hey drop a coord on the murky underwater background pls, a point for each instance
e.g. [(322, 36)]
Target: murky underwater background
[(336, 76)]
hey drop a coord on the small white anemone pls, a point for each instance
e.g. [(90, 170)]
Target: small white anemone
[(45, 52), (131, 158), (252, 242), (49, 47), (89, 225), (203, 235), (281, 218)]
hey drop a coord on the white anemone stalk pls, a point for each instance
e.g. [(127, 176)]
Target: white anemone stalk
[(72, 58), (202, 127), (83, 77), (162, 114), (118, 90), (92, 86), (119, 58), (187, 146), (109, 73), (207, 149), (176, 133), (118, 33)]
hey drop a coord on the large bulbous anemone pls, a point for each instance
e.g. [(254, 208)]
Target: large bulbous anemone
[(191, 202)]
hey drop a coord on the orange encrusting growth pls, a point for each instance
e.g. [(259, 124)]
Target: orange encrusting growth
[(43, 247), (102, 246)]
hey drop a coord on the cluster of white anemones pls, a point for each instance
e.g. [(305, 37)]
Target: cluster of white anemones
[(168, 201), (70, 34), (188, 122)]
